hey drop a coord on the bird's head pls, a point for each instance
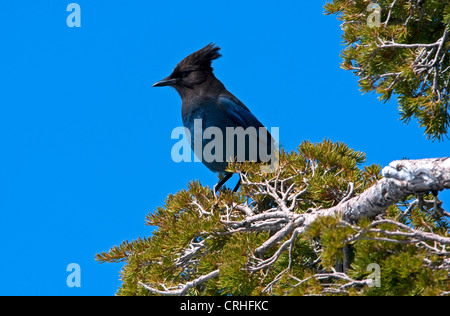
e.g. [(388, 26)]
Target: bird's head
[(193, 70)]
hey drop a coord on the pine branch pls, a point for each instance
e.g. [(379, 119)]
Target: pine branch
[(407, 56), (181, 289), (402, 178), (284, 232)]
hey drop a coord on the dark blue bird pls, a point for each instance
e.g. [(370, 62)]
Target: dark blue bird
[(205, 98)]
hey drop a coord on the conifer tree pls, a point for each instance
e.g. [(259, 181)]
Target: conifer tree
[(400, 47), (323, 223)]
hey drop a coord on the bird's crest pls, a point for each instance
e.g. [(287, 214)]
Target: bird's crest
[(202, 58)]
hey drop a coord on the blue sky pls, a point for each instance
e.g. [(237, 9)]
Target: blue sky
[(85, 140)]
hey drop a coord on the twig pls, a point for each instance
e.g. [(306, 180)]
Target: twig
[(182, 289)]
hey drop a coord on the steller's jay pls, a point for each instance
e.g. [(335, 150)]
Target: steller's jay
[(205, 98)]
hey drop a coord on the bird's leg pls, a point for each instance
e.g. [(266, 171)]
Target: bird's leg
[(221, 182), (238, 184), (437, 210)]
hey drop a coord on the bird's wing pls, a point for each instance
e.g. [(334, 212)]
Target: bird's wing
[(235, 111), (238, 112)]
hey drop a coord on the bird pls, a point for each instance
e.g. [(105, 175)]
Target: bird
[(205, 98)]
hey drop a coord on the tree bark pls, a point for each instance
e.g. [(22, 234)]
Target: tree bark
[(401, 179)]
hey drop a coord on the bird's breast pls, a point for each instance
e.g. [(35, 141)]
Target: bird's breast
[(207, 112)]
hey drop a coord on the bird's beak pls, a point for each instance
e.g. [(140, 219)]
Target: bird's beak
[(165, 82)]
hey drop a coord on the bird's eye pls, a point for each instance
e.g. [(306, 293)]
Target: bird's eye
[(185, 74)]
